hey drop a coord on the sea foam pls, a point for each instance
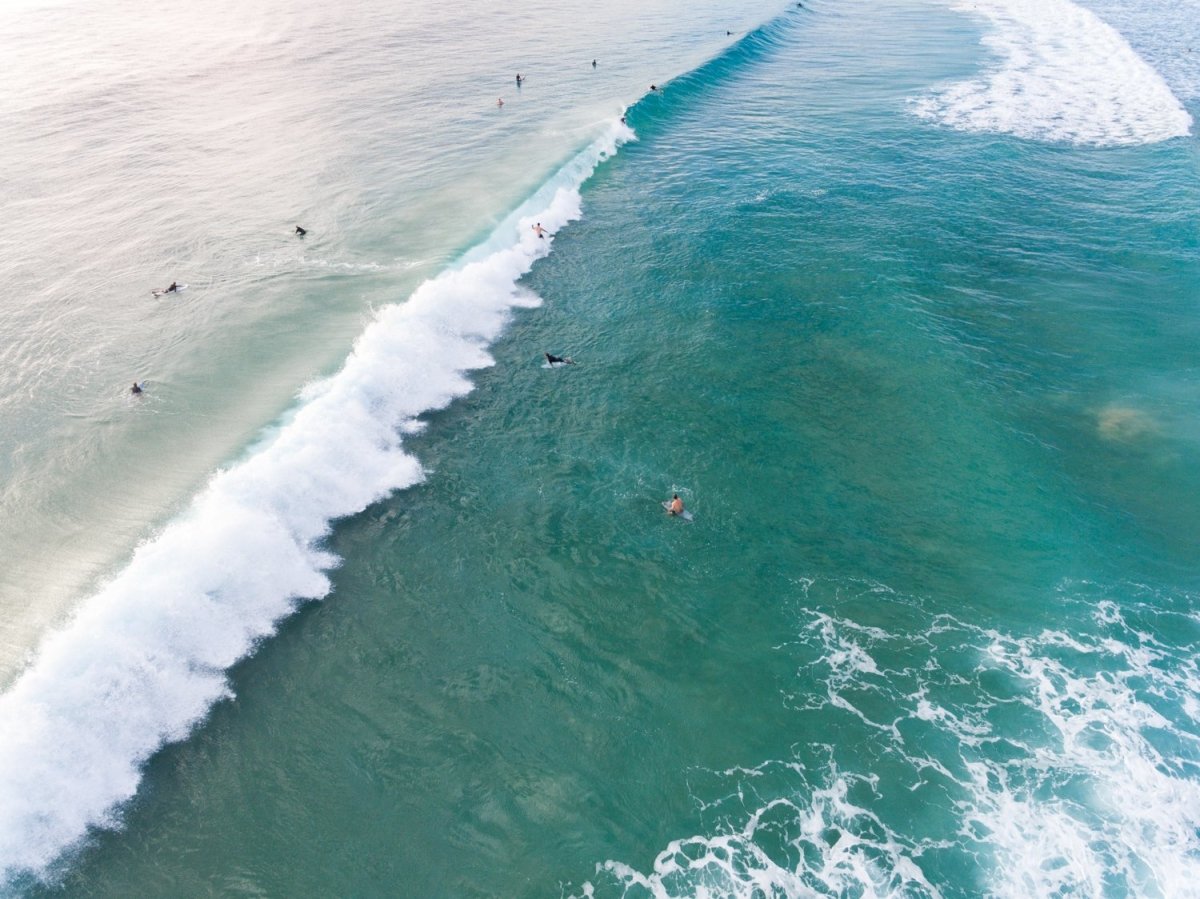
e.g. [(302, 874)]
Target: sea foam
[(145, 658), (1045, 764), (1059, 74)]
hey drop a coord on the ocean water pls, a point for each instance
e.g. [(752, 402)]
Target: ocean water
[(360, 598)]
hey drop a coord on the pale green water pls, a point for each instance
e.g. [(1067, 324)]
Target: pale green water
[(931, 398)]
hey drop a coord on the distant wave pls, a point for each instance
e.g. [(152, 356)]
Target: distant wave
[(145, 658), (1060, 74)]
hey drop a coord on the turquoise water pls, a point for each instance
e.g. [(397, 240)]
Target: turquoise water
[(928, 386)]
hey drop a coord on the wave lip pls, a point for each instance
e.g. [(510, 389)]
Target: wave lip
[(145, 658), (1061, 75)]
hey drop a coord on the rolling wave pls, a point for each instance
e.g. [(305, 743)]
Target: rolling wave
[(145, 658)]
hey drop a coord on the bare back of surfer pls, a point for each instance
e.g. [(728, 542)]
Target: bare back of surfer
[(539, 230), (676, 505)]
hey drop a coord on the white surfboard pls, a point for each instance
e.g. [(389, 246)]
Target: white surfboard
[(685, 514)]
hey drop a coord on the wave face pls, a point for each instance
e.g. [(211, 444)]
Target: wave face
[(146, 657), (1062, 75)]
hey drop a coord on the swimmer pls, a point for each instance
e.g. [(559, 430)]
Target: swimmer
[(593, 63), (136, 388), (540, 231), (558, 360), (676, 506), (520, 78), (300, 231), (499, 101)]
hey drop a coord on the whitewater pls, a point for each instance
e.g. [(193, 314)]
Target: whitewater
[(144, 659)]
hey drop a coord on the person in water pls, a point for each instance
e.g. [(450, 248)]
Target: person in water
[(174, 288), (539, 230), (558, 360), (519, 79), (499, 101), (676, 506), (136, 388), (300, 231), (593, 63)]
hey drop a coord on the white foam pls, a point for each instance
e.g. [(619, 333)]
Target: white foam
[(145, 658), (1053, 764), (1060, 74), (825, 845)]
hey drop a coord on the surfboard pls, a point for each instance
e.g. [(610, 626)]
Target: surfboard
[(162, 292), (685, 515)]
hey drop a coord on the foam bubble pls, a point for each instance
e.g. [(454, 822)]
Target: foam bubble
[(145, 658), (1060, 74)]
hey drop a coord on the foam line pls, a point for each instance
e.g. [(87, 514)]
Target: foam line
[(145, 658), (1059, 74)]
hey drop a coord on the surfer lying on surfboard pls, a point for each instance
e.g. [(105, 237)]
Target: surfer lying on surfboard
[(675, 507), (558, 360)]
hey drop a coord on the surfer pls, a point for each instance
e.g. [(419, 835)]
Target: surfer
[(136, 388), (499, 101), (558, 360), (676, 506), (520, 78), (300, 231), (174, 288), (540, 231), (593, 63)]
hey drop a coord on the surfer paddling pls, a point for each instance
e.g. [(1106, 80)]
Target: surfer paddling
[(558, 360), (675, 507)]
